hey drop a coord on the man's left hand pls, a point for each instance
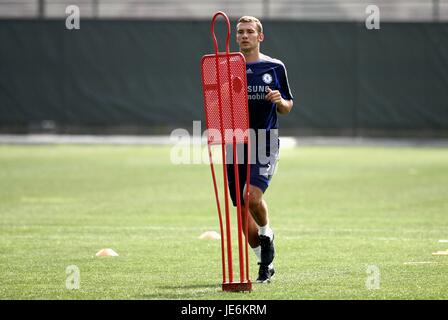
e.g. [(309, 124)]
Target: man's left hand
[(283, 106), (274, 96)]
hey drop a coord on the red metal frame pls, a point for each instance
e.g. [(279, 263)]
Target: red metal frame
[(244, 283)]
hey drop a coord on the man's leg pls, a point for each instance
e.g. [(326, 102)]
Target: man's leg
[(258, 215), (254, 240), (260, 234), (258, 206)]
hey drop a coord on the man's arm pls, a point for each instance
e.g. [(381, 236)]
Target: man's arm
[(283, 106)]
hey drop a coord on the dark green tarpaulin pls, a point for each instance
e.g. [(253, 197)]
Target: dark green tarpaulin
[(345, 78)]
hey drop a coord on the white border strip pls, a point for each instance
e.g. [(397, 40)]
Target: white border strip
[(285, 142)]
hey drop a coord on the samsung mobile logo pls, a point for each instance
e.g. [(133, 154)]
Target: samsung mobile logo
[(254, 89)]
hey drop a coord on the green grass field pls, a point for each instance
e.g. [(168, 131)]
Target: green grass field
[(335, 211)]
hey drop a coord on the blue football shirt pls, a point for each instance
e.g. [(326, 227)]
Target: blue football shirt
[(261, 74)]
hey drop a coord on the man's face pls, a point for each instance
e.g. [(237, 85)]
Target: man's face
[(247, 36)]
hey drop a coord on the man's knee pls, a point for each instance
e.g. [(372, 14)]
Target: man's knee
[(255, 198)]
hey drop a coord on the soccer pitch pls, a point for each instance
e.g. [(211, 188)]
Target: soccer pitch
[(337, 212)]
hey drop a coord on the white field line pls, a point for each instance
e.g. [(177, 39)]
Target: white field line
[(416, 263), (330, 237), (215, 227), (363, 230), (112, 228), (286, 141)]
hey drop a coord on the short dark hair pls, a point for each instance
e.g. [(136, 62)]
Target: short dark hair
[(252, 19)]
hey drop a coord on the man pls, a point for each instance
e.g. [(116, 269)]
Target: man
[(268, 94)]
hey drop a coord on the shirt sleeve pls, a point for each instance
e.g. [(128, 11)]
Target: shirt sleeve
[(284, 89)]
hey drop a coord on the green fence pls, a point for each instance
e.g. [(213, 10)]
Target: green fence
[(144, 76)]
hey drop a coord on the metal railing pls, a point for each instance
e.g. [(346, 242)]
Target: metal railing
[(336, 10)]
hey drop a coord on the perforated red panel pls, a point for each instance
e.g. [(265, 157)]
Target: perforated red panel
[(225, 96)]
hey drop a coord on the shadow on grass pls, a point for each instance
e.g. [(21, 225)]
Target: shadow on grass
[(192, 286), (183, 292)]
